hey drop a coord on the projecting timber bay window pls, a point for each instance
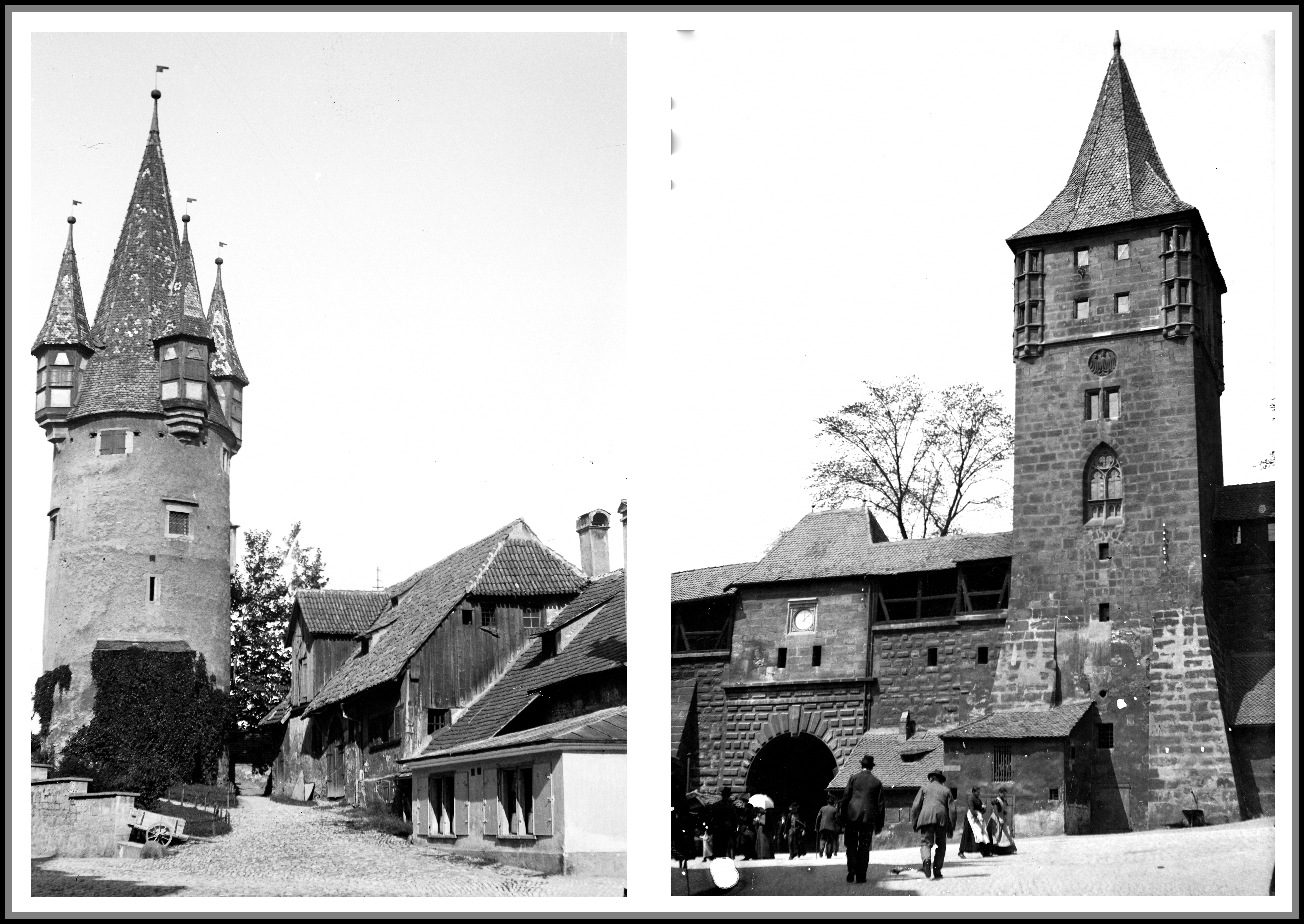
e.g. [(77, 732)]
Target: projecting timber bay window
[(1103, 487), (973, 587), (1029, 305), (1181, 315), (183, 373)]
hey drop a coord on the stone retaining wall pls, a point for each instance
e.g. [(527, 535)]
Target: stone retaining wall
[(68, 821)]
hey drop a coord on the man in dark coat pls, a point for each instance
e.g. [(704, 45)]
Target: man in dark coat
[(724, 821), (933, 817), (864, 807)]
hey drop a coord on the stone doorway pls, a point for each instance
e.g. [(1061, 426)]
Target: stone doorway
[(793, 768)]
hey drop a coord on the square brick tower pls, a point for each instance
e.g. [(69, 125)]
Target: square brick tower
[(1117, 344)]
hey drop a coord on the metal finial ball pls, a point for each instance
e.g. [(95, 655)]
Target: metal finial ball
[(1118, 42), (155, 94), (218, 261), (185, 218), (72, 219)]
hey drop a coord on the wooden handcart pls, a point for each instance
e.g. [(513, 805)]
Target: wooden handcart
[(163, 829)]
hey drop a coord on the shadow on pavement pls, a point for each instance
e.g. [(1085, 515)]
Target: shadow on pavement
[(50, 882), (797, 879)]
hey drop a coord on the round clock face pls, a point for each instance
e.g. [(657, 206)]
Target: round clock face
[(804, 621)]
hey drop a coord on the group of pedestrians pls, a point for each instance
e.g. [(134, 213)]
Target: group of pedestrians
[(733, 830)]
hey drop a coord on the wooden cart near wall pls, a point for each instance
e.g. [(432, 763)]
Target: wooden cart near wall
[(161, 828)]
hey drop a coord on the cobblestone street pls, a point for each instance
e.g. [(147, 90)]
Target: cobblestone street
[(278, 849), (1232, 859)]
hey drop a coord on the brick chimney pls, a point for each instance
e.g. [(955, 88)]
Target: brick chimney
[(592, 527), (623, 510), (904, 727)]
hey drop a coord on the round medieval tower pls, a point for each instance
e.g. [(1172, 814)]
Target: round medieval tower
[(144, 411)]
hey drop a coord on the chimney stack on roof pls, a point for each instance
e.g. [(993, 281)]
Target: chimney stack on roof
[(594, 557), (623, 510)]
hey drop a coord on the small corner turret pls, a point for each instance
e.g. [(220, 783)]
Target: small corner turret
[(227, 371), (62, 348)]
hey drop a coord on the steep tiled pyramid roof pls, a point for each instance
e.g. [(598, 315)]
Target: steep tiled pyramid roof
[(339, 612), (1247, 501), (426, 598), (182, 312), (1118, 175), (896, 763), (65, 322), (704, 583), (226, 361), (838, 543), (123, 376), (1056, 722), (600, 645)]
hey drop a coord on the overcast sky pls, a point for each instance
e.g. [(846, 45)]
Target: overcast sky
[(841, 203)]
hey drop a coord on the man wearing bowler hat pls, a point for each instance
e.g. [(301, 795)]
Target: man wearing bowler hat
[(932, 817), (863, 809)]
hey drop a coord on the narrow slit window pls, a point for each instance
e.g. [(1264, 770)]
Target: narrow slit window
[(1105, 735), (781, 660), (932, 657), (982, 654), (1237, 540), (153, 589), (816, 654), (54, 526), (1102, 612), (1272, 531)]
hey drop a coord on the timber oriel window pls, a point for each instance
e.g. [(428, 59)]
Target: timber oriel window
[(516, 801), (54, 381), (1029, 307), (1180, 311), (1103, 486), (1002, 763)]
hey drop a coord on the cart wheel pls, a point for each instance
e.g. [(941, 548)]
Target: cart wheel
[(160, 833)]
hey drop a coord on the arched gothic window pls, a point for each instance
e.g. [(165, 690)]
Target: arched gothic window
[(1104, 486)]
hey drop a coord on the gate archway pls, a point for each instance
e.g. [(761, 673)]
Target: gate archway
[(793, 768)]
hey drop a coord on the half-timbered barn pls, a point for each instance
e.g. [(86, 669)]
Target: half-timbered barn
[(428, 648), (533, 774)]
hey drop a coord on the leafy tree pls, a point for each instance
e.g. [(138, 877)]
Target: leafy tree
[(262, 598), (920, 459)]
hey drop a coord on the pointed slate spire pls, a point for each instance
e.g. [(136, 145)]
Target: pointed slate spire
[(1118, 175), (65, 322), (183, 312), (123, 376), (226, 361)]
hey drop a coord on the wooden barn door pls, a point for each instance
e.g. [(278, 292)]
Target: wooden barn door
[(335, 760)]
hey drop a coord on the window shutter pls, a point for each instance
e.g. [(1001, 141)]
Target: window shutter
[(542, 798), (491, 805), (462, 803)]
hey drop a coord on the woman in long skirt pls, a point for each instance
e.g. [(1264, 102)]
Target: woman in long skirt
[(973, 837), (998, 827), (764, 849)]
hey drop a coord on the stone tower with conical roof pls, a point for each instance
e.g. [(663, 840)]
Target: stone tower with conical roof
[(1118, 456), (144, 412)]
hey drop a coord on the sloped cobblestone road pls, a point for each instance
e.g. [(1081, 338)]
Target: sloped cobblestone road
[(278, 849)]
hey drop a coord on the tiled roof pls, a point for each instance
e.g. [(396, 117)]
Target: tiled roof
[(599, 646), (226, 361), (600, 591), (1057, 722), (1118, 175), (122, 377), (524, 568), (606, 726), (836, 543), (65, 322), (182, 312), (426, 598), (278, 713), (339, 612), (897, 763), (1247, 501), (1254, 689), (703, 583), (682, 691)]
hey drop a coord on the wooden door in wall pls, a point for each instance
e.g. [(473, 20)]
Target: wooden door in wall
[(1111, 807), (335, 760)]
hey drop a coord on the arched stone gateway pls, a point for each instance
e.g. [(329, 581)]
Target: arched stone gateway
[(792, 759)]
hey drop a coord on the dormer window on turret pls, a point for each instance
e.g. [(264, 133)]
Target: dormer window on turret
[(1181, 315), (56, 379), (183, 375), (1029, 304)]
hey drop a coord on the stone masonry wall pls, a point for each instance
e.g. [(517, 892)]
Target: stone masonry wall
[(69, 822), (939, 697), (705, 752), (842, 632), (1189, 757), (835, 714)]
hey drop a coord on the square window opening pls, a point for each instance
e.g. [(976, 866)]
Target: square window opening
[(1103, 552), (1082, 257), (1122, 251), (113, 442), (816, 655), (468, 617), (932, 657), (982, 654), (1105, 735), (1082, 309), (488, 615), (781, 660), (1122, 303), (1102, 612), (436, 719), (532, 619), (178, 523), (1054, 794)]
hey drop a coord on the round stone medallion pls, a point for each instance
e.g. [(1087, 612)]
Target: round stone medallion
[(1102, 362)]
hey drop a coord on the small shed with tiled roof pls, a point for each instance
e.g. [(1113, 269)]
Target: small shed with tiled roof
[(533, 771)]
